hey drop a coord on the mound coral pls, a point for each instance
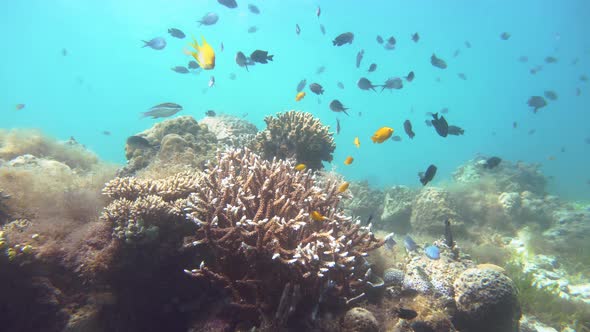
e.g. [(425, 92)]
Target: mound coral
[(230, 130), (296, 135), (276, 238), (169, 147)]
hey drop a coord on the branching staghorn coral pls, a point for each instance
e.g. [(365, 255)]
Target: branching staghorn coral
[(142, 207), (266, 249), (296, 135)]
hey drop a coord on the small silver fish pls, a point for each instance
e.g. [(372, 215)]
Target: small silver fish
[(212, 81), (162, 110)]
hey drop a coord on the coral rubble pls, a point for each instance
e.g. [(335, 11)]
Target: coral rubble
[(296, 135), (276, 237)]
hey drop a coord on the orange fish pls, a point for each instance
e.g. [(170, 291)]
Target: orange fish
[(382, 134), (343, 187), (300, 96), (357, 142), (300, 167), (315, 215), (348, 160), (20, 106)]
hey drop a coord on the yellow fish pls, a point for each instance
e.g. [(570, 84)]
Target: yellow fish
[(204, 55), (343, 187), (382, 134), (300, 167), (357, 142), (348, 160), (315, 215), (299, 96)]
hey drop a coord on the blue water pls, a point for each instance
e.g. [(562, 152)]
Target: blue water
[(107, 79)]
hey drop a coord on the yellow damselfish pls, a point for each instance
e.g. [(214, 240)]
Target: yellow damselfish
[(343, 187), (300, 167), (204, 54), (382, 134), (315, 215), (348, 160), (299, 96), (357, 142)]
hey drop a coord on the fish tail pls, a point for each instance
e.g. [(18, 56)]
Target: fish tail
[(144, 115), (146, 43), (270, 57)]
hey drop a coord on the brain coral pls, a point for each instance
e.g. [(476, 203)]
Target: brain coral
[(296, 135)]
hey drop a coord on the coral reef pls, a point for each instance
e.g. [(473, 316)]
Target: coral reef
[(277, 240), (507, 176), (397, 209), (486, 301), (230, 131), (431, 208), (296, 135), (169, 147), (366, 203), (3, 208)]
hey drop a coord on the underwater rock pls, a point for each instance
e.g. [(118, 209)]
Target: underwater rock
[(359, 320), (190, 146), (231, 131), (397, 209), (506, 177), (297, 135), (393, 277), (530, 324), (486, 301), (366, 203), (431, 208), (510, 203)]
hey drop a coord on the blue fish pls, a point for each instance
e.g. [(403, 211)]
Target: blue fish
[(432, 252), (157, 43), (409, 243)]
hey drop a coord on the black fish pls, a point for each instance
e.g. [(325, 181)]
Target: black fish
[(322, 29), (428, 176), (193, 64), (406, 313), (438, 62), (551, 59), (456, 53), (444, 110), (448, 234), (364, 84), (261, 56), (428, 123), (415, 37), (359, 58), (241, 60), (316, 88), (370, 219), (380, 39), (492, 162), (180, 69), (537, 102), (106, 133), (410, 76), (301, 85), (372, 67), (455, 130), (505, 36), (514, 124), (462, 76), (408, 129), (440, 124), (467, 44), (253, 9), (297, 29), (320, 70), (391, 41), (228, 3), (552, 95), (138, 142), (176, 33), (396, 138), (340, 85), (252, 29), (343, 38), (337, 126), (392, 83), (210, 113), (336, 106)]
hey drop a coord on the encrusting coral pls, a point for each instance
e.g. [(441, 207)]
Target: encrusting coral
[(276, 237), (296, 135)]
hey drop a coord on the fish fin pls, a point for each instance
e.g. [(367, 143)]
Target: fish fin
[(270, 57), (344, 111)]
